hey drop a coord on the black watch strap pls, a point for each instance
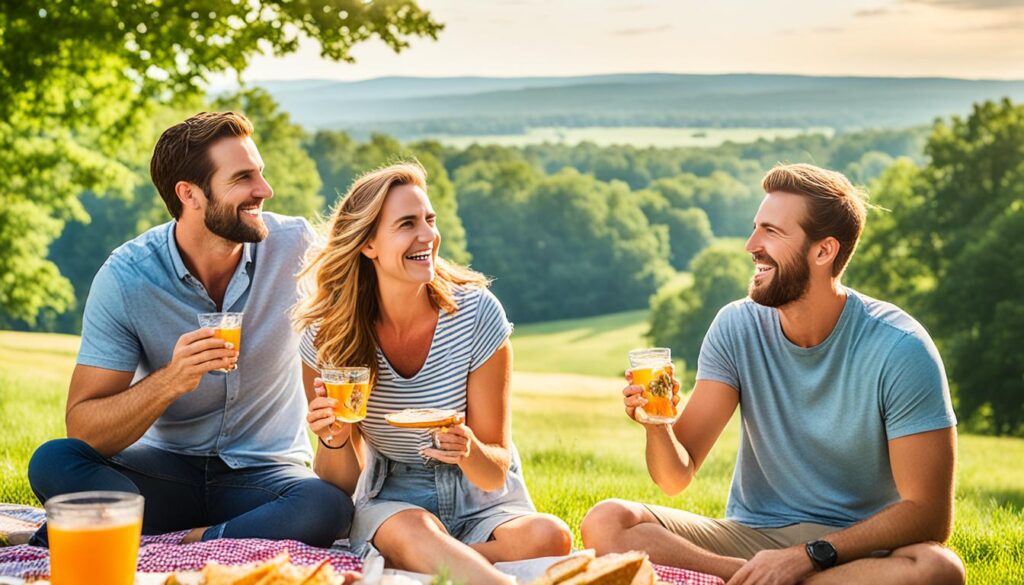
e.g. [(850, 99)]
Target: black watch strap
[(822, 553)]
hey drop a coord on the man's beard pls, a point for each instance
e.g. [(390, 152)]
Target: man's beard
[(789, 283), (227, 223)]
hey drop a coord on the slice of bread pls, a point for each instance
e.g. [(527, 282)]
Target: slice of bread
[(567, 568), (323, 574), (612, 569), (424, 418)]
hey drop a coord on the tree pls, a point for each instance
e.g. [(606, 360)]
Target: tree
[(289, 169), (689, 230), (950, 252), (729, 204), (562, 246), (681, 315), (80, 78), (341, 160), (868, 167)]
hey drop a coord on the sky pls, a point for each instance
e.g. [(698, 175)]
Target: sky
[(510, 38)]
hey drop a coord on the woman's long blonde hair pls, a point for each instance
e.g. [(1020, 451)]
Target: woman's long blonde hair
[(338, 284)]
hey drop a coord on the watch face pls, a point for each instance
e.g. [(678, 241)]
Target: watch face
[(823, 553)]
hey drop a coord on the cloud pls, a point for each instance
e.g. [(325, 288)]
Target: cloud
[(972, 4), (868, 12), (645, 30)]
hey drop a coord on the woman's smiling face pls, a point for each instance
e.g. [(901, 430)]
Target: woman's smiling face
[(405, 245)]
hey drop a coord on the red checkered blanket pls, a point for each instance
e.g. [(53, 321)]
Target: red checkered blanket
[(160, 557), (164, 554)]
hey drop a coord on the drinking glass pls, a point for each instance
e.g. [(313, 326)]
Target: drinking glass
[(94, 537), (652, 369), (226, 326)]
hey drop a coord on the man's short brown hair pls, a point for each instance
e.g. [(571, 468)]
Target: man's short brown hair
[(182, 153), (834, 206)]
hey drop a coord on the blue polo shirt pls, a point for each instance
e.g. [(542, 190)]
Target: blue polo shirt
[(816, 421), (143, 299)]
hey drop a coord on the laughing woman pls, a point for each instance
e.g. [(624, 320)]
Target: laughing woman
[(433, 336)]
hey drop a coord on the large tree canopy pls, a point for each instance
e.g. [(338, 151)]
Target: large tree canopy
[(949, 250), (80, 76)]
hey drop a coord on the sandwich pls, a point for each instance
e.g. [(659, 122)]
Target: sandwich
[(630, 568), (424, 418)]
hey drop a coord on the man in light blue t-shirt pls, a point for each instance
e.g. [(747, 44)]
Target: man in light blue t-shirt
[(848, 438), (212, 435)]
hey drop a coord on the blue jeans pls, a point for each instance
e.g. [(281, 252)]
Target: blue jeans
[(277, 501)]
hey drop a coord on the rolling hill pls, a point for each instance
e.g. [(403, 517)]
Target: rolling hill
[(409, 107)]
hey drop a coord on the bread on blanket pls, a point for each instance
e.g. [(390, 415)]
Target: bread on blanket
[(251, 574), (323, 574), (563, 569), (276, 571), (631, 568)]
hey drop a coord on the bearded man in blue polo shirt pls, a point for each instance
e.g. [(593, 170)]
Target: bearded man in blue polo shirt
[(213, 437), (848, 439)]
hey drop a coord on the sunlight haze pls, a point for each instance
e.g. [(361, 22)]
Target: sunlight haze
[(508, 38)]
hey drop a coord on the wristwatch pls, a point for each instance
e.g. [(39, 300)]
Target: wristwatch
[(822, 553)]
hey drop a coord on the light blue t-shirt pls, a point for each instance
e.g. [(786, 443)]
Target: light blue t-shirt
[(815, 422), (143, 299)]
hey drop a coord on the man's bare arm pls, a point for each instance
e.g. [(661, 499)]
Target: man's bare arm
[(923, 467), (109, 415), (675, 454)]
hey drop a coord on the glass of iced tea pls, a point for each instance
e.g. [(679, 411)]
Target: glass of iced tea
[(351, 388), (94, 537), (226, 326), (652, 369)]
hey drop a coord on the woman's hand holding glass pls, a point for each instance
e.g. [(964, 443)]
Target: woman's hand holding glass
[(451, 444), (633, 398), (322, 420)]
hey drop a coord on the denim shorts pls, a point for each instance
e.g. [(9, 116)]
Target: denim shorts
[(468, 513)]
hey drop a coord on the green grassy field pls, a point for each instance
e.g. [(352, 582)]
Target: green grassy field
[(640, 136), (595, 346), (577, 446)]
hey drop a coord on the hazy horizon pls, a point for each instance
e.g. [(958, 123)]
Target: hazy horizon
[(652, 72), (957, 39)]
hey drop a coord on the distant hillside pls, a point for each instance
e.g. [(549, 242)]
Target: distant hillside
[(408, 107)]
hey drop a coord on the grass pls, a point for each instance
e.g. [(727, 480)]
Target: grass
[(640, 136), (577, 446), (594, 346)]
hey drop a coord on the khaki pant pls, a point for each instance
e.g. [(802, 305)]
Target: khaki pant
[(732, 539)]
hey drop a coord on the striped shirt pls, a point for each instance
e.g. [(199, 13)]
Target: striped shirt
[(462, 343)]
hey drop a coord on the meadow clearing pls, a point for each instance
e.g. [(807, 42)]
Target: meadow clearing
[(577, 445)]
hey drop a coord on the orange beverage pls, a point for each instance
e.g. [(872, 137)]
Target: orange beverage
[(657, 383), (226, 326), (652, 369), (86, 556), (94, 537), (231, 335), (351, 388), (352, 398)]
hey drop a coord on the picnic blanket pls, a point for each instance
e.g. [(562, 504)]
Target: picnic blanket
[(164, 553)]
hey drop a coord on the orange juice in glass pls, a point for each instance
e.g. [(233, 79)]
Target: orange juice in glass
[(351, 388), (652, 369), (226, 326), (94, 537)]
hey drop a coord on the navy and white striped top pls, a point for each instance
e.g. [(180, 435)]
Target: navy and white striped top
[(462, 343)]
